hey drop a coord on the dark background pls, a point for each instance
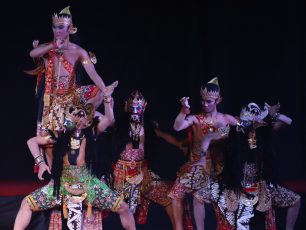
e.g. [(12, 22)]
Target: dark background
[(167, 49)]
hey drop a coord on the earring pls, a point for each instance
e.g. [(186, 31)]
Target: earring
[(73, 30)]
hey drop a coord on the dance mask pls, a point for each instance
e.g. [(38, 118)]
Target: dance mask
[(78, 117), (135, 106)]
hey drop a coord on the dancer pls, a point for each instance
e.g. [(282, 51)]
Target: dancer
[(191, 177), (59, 59), (132, 178), (57, 86), (248, 184)]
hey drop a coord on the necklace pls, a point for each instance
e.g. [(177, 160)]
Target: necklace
[(134, 132), (210, 122), (252, 140), (75, 140)]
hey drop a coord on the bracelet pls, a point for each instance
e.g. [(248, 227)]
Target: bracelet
[(224, 131), (39, 160), (275, 116), (107, 99), (185, 110)]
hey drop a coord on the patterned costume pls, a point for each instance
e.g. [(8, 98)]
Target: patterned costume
[(191, 178), (75, 181), (56, 87), (61, 92), (234, 211), (132, 179), (76, 186), (95, 222), (138, 185)]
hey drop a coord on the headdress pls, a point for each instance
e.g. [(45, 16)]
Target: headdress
[(213, 94), (136, 98), (253, 113), (64, 18)]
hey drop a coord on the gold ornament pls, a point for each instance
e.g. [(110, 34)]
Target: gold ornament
[(92, 57), (66, 10), (214, 81), (62, 20), (210, 94)]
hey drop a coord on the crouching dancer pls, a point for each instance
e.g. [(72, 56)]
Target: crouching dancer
[(73, 181)]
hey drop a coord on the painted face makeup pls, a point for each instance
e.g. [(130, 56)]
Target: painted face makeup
[(136, 110), (136, 106)]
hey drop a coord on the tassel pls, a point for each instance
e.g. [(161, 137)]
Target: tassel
[(36, 168), (89, 210), (65, 211)]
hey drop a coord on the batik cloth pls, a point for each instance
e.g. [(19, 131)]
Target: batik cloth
[(238, 209), (75, 181), (139, 186)]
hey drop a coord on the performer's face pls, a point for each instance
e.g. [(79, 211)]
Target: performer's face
[(209, 104), (136, 110), (60, 31)]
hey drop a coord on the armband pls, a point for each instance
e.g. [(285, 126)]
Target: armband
[(224, 131), (92, 58), (85, 61)]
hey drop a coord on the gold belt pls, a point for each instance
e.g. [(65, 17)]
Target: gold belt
[(131, 164)]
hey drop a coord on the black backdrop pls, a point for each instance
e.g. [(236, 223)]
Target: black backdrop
[(167, 49)]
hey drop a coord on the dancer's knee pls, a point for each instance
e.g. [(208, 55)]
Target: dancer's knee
[(124, 208)]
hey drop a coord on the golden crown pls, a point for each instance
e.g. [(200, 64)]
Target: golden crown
[(58, 19), (210, 94)]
